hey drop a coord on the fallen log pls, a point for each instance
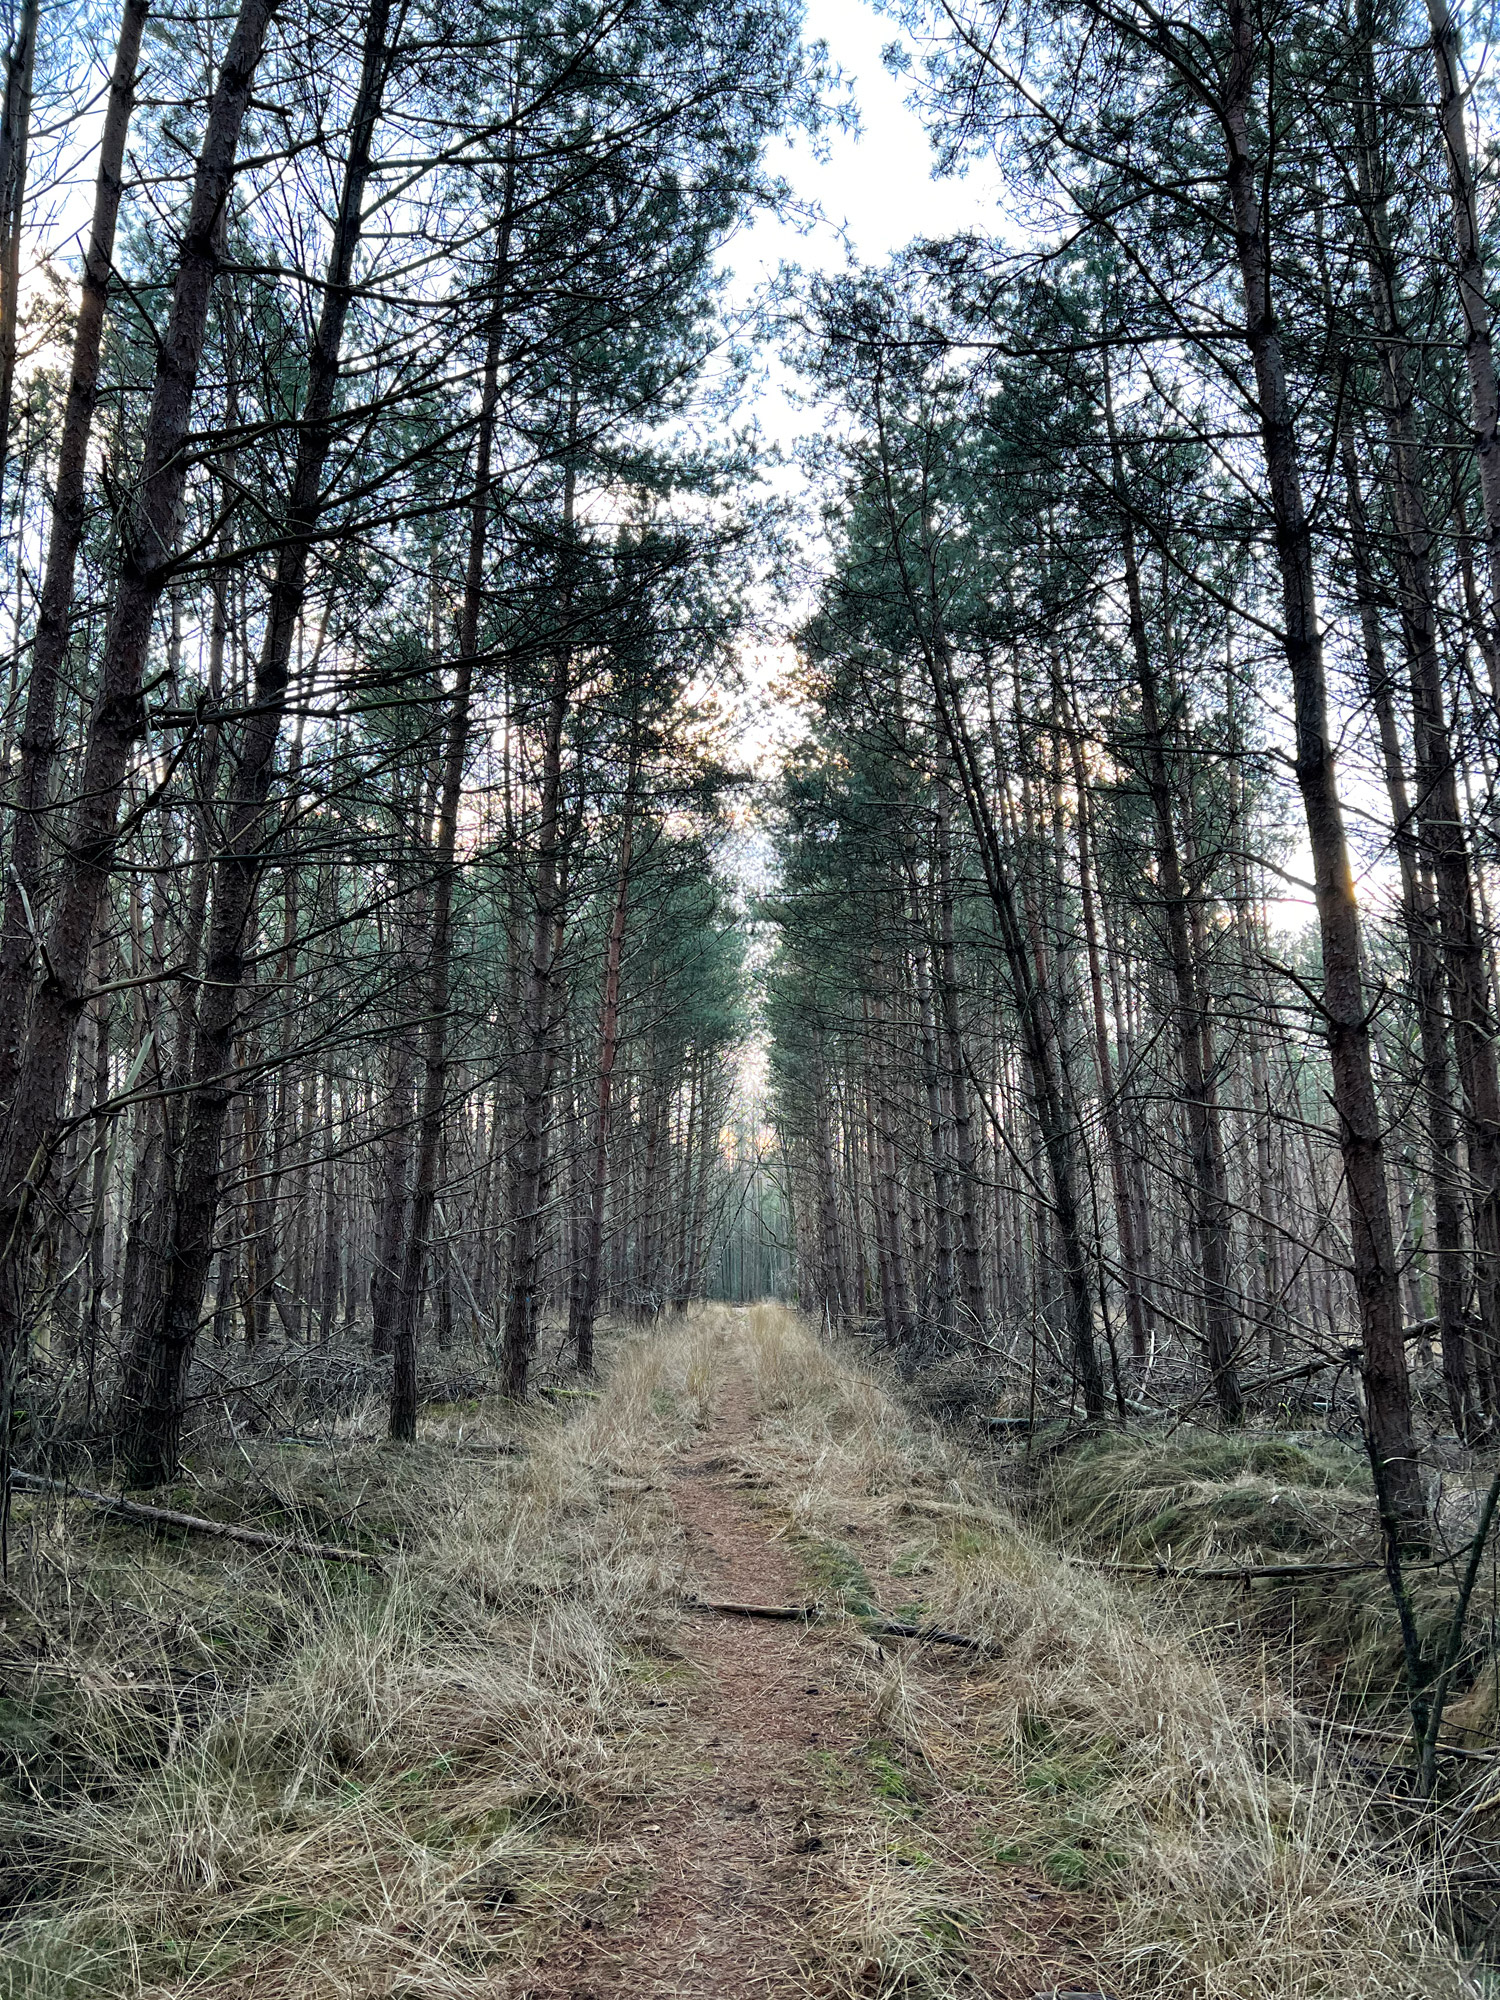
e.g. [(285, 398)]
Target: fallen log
[(195, 1524), (1253, 1573), (728, 1610), (930, 1635), (877, 1627)]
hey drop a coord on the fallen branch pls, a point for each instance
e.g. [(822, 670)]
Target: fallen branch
[(195, 1524), (877, 1627), (932, 1635), (1399, 1737), (787, 1611), (1254, 1573)]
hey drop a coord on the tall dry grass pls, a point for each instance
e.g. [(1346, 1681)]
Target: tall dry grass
[(235, 1775), (1234, 1858), (238, 1776)]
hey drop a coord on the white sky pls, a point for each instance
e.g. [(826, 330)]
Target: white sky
[(877, 192), (874, 192)]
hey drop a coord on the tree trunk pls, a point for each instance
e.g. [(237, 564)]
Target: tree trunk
[(159, 1374), (1373, 1254), (528, 1183), (1446, 1252), (115, 724), (585, 1299), (15, 140), (1469, 274), (25, 873), (403, 1422), (1210, 1189), (970, 1273)]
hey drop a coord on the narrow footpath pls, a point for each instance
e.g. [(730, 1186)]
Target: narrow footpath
[(743, 1870)]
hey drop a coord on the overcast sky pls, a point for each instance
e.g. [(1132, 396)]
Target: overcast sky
[(876, 192)]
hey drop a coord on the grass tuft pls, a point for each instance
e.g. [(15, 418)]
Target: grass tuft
[(1143, 1770)]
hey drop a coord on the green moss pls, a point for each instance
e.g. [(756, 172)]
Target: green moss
[(837, 1573), (889, 1780)]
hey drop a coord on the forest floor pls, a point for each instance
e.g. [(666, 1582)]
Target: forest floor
[(519, 1760), (795, 1838)]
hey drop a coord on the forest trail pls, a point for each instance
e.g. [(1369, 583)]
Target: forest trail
[(754, 1864), (729, 1843), (518, 1761)]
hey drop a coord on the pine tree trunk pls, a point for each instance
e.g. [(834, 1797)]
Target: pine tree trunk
[(160, 1373), (1375, 1271), (25, 872)]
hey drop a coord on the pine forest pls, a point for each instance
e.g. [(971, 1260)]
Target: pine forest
[(749, 1008)]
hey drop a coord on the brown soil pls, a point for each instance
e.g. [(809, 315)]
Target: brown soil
[(720, 1881)]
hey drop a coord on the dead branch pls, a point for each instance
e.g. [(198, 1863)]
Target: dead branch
[(877, 1627), (196, 1524)]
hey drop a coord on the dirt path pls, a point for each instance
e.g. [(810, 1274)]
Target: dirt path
[(730, 1876), (726, 1855)]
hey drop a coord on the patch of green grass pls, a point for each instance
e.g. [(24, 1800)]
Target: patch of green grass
[(1004, 1850), (1072, 1860), (971, 1541), (1068, 1868), (889, 1780), (838, 1573), (1082, 1773), (946, 1925), (225, 1944), (914, 1559), (1035, 1731), (906, 1854)]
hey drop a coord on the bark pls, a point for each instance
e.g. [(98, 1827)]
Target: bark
[(403, 1419), (528, 1185), (830, 1245), (1446, 1252), (39, 739), (1439, 817), (1374, 1264), (116, 722), (390, 1215), (1469, 276), (584, 1304), (899, 1310), (1109, 1101), (970, 1272), (944, 1258), (1209, 1184), (15, 140), (163, 1353), (1054, 1115)]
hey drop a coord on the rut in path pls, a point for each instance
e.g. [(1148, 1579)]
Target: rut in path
[(732, 1841), (734, 1857)]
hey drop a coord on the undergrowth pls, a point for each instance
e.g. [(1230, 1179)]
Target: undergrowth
[(227, 1773), (1105, 1743), (230, 1773), (1198, 1499)]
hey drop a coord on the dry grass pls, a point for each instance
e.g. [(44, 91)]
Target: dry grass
[(236, 1775), (233, 1776), (1233, 1860)]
